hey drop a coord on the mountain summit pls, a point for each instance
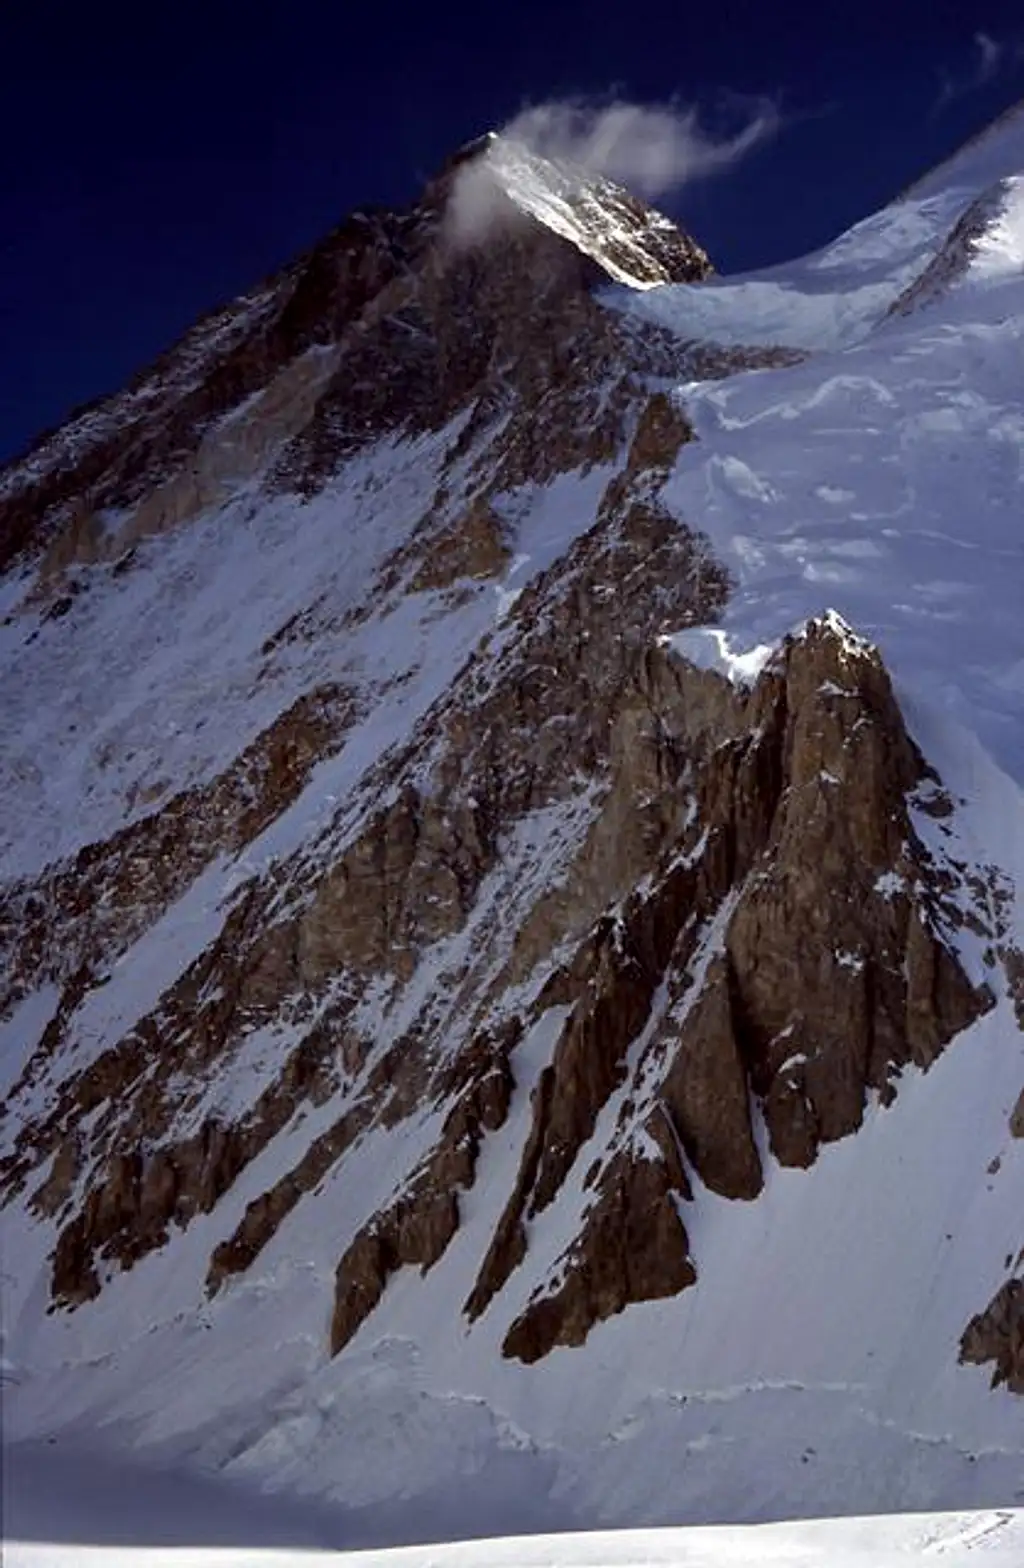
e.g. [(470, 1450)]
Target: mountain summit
[(415, 311), (629, 240), (511, 962)]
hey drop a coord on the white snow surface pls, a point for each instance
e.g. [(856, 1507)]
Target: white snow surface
[(71, 1512), (710, 648), (814, 1368), (1000, 250)]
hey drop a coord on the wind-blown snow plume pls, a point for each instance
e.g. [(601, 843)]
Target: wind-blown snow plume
[(652, 149), (988, 58)]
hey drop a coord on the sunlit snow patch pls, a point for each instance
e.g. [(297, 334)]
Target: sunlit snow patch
[(1000, 250), (709, 648)]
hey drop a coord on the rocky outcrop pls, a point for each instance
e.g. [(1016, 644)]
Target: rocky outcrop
[(135, 1198), (129, 1214), (706, 1093), (750, 919), (953, 259), (997, 1336), (632, 1247), (392, 1090), (510, 333), (527, 730), (82, 915), (1013, 964), (1017, 1118), (612, 984), (473, 546), (842, 973), (791, 950), (416, 1228)]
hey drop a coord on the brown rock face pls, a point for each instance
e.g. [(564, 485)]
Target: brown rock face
[(1017, 1119), (779, 952), (473, 547), (844, 982), (1013, 964), (997, 1335), (88, 912), (750, 918), (706, 1093), (130, 1210), (954, 257), (417, 1228), (385, 327), (633, 1247), (142, 1195)]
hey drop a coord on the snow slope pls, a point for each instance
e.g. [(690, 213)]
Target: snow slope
[(836, 296), (69, 1510), (884, 479), (966, 1540)]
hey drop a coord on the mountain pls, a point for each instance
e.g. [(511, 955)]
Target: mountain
[(512, 968)]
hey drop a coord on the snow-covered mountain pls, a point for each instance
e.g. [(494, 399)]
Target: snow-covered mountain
[(513, 752)]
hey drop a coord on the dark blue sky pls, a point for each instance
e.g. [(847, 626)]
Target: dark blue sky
[(153, 170)]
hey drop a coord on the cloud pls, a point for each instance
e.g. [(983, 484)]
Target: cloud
[(652, 149), (988, 57)]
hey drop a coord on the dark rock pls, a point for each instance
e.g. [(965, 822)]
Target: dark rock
[(632, 1247), (706, 1093), (417, 1228), (997, 1335), (1017, 1118)]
